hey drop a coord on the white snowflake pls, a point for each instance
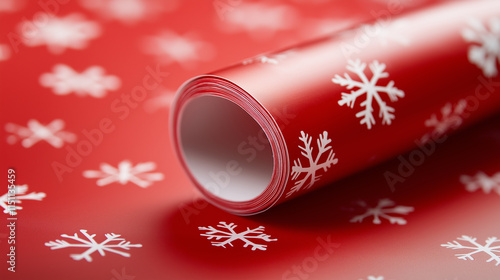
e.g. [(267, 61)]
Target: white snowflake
[(382, 210), (35, 132), (129, 11), (230, 235), (20, 195), (59, 33), (374, 278), (260, 20), (269, 59), (314, 163), (476, 248), (4, 52), (484, 51), (451, 118), (482, 181), (371, 89), (125, 173), (185, 50), (112, 243), (92, 81)]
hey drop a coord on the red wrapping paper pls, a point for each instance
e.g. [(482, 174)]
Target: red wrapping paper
[(280, 124), (74, 80)]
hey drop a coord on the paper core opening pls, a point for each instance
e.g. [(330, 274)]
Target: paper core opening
[(225, 149)]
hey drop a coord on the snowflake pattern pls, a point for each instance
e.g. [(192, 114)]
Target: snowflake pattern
[(384, 208), (112, 243), (314, 162), (20, 195), (371, 89), (268, 59), (482, 181), (484, 50), (125, 173), (371, 277), (129, 11), (93, 81), (230, 235), (260, 20), (476, 248), (71, 31), (451, 118), (186, 50), (35, 132)]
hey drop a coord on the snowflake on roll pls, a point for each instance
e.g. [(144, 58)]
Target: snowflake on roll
[(229, 235), (485, 50), (452, 117), (372, 91), (481, 181), (112, 243), (384, 209), (315, 163), (476, 248)]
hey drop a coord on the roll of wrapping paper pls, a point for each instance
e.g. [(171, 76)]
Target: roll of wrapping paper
[(278, 125)]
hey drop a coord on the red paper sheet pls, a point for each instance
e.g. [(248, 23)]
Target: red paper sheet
[(86, 97)]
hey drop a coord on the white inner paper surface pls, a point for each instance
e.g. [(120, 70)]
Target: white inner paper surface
[(225, 149)]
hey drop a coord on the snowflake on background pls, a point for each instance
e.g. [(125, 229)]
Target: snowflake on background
[(92, 81), (129, 11), (485, 52), (476, 248), (482, 181), (35, 132), (451, 118), (382, 210), (20, 195), (371, 89), (314, 162), (260, 20), (125, 173), (230, 235), (59, 33), (112, 243), (186, 50)]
